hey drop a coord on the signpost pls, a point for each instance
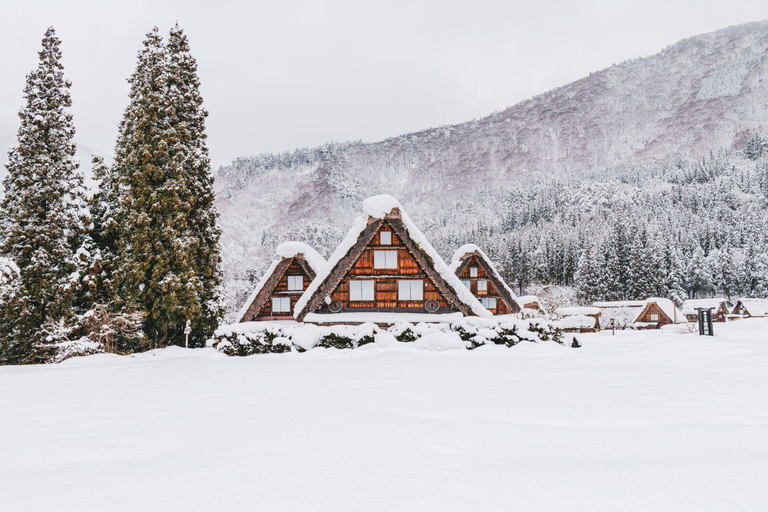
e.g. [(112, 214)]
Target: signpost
[(187, 330), (705, 321)]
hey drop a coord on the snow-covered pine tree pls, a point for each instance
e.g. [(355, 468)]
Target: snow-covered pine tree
[(589, 282), (725, 275), (198, 255), (168, 264), (675, 275), (44, 215), (698, 275)]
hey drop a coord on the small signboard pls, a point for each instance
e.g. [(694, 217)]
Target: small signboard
[(705, 321)]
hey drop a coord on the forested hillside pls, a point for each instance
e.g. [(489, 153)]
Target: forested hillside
[(667, 148)]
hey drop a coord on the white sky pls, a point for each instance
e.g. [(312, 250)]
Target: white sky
[(285, 74)]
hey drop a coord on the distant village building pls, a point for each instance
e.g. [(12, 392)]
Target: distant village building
[(479, 275), (619, 314), (721, 308), (750, 308), (385, 271), (284, 282), (579, 319), (658, 312), (531, 306)]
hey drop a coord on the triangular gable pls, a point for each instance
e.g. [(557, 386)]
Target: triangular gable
[(471, 254), (386, 212), (292, 254), (652, 307)]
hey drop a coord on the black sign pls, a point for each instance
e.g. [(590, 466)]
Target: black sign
[(705, 322)]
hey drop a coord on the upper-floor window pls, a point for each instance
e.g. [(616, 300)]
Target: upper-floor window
[(361, 290), (488, 302), (467, 283), (295, 283), (385, 238), (654, 317), (410, 289), (385, 259), (281, 304), (472, 271), (482, 285)]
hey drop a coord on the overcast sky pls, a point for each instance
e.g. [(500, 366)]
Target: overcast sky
[(282, 74)]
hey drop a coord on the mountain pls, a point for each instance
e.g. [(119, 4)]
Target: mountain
[(635, 119)]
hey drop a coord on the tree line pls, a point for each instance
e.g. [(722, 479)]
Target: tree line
[(125, 269)]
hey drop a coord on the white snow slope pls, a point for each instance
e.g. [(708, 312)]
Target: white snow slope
[(652, 420)]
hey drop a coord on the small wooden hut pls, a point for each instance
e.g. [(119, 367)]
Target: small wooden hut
[(579, 319), (658, 312), (385, 271), (721, 308), (480, 276), (284, 282), (750, 308), (531, 306)]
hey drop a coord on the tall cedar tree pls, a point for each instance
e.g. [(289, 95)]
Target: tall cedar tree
[(168, 263), (44, 220)]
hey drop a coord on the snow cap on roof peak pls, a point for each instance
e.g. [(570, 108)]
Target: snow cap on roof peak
[(293, 249), (380, 206)]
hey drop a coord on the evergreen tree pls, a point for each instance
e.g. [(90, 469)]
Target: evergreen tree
[(168, 248), (44, 220), (589, 282), (675, 276), (698, 276), (725, 277)]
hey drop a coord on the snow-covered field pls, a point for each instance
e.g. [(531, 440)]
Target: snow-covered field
[(650, 420)]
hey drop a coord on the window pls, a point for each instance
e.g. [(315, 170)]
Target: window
[(467, 283), (488, 302), (385, 238), (654, 317), (482, 285), (281, 304), (295, 283), (384, 259), (410, 289), (360, 290), (472, 271)]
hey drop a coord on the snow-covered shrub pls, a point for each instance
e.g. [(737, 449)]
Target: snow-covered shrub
[(404, 332), (260, 338), (344, 336), (271, 340), (117, 333)]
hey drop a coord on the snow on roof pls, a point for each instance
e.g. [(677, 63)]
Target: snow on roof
[(690, 305), (571, 311), (293, 249), (527, 299), (578, 322), (755, 307), (285, 250), (472, 248), (620, 304), (379, 207), (667, 307)]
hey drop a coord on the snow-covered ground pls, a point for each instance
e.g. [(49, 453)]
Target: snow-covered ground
[(650, 420)]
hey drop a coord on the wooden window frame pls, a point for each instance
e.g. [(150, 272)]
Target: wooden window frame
[(388, 235), (411, 282), (290, 289), (280, 300), (362, 282), (386, 255), (472, 271)]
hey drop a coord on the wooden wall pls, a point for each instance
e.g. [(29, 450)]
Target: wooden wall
[(385, 287), (492, 291), (281, 290)]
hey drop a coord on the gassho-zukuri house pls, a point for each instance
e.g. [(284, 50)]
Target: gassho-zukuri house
[(384, 271)]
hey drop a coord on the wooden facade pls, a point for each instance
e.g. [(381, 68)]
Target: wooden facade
[(384, 271), (720, 309), (276, 300), (653, 316), (746, 308), (478, 274)]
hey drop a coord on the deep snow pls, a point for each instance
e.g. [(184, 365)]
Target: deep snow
[(652, 420)]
